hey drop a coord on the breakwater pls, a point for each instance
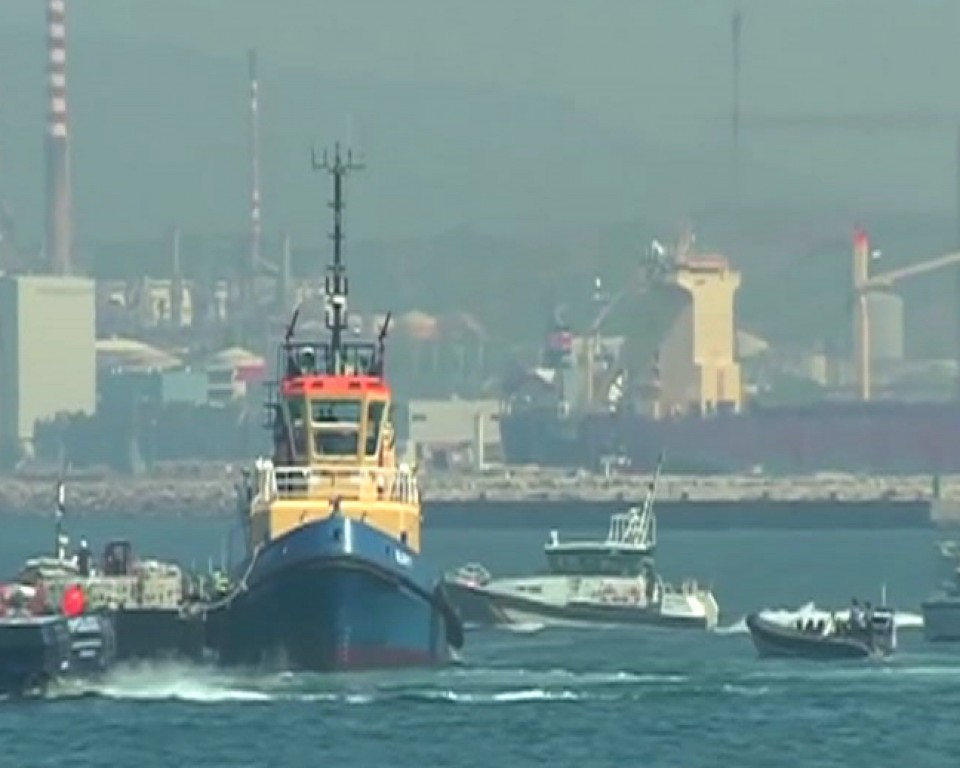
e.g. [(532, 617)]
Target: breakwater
[(678, 514), (504, 498)]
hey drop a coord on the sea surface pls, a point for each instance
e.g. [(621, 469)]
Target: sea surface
[(585, 698)]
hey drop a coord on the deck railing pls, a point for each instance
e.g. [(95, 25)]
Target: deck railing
[(397, 484)]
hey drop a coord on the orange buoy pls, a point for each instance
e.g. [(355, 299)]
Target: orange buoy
[(74, 601)]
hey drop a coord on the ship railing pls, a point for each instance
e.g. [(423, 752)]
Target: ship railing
[(639, 524), (638, 527), (686, 587), (394, 484)]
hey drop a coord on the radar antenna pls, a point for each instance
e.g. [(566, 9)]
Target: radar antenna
[(336, 286), (380, 362), (291, 326)]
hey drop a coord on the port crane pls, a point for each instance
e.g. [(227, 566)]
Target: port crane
[(863, 284), (655, 264)]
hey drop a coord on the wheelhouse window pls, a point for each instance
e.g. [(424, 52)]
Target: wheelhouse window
[(375, 413), (332, 411), (295, 411), (291, 430), (336, 426)]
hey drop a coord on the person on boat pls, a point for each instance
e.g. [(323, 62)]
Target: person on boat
[(307, 361), (84, 557), (651, 586), (868, 619), (63, 546), (833, 625), (856, 615)]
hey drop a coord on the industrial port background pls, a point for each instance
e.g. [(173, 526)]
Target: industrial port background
[(552, 140), (514, 150)]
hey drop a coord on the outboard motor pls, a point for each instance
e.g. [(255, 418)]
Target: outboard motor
[(93, 639), (93, 644)]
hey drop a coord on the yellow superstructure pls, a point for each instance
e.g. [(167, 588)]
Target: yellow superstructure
[(335, 444), (704, 339)]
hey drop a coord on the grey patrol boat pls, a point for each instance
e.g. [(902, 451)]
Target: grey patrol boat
[(588, 582)]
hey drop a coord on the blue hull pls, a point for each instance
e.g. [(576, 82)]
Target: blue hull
[(333, 595)]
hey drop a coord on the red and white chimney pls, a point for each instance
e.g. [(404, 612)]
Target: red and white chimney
[(58, 235)]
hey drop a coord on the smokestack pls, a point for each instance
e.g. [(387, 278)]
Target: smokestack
[(255, 227), (735, 25), (176, 284), (59, 244)]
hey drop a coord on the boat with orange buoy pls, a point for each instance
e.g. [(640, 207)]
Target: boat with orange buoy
[(48, 628), (39, 646), (144, 598), (334, 577)]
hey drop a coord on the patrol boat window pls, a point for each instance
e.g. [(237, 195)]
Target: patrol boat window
[(336, 426), (586, 562)]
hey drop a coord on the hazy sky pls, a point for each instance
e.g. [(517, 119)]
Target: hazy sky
[(503, 113)]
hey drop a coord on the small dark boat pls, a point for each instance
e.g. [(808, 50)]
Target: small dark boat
[(34, 650), (825, 639), (37, 649)]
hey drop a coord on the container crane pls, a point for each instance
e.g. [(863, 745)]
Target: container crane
[(863, 284)]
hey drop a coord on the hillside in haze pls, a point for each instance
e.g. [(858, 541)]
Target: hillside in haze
[(513, 148)]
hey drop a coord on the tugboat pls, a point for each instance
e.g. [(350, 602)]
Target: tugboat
[(869, 633), (611, 581), (333, 578)]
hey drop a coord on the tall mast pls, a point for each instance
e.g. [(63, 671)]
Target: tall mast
[(336, 286), (255, 225)]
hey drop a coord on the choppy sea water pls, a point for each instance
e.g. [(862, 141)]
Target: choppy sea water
[(609, 697)]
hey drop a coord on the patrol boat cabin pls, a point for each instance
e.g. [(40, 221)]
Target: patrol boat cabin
[(630, 543)]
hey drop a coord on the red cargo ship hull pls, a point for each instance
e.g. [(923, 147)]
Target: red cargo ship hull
[(889, 438)]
